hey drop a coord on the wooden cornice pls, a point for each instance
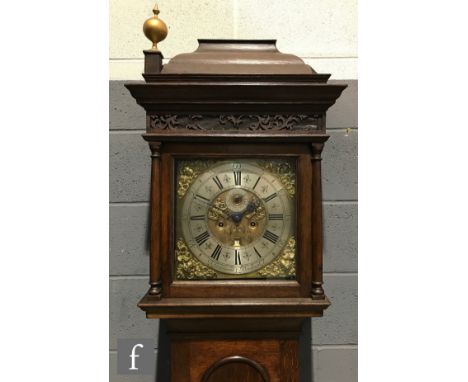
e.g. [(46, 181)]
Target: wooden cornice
[(236, 93)]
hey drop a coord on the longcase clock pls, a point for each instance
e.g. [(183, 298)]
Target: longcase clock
[(236, 130)]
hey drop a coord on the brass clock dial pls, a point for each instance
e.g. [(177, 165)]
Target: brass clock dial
[(236, 217)]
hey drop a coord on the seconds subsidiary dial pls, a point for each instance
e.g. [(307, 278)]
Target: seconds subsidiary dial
[(237, 217)]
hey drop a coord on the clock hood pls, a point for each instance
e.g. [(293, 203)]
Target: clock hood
[(236, 57), (229, 88)]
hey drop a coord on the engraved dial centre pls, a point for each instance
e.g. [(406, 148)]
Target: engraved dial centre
[(237, 217)]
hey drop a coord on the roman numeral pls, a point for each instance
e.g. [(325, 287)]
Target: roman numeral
[(218, 182), (197, 217), (216, 252), (200, 239), (272, 196), (202, 199), (255, 185), (237, 257), (275, 217), (256, 251), (270, 236), (237, 178)]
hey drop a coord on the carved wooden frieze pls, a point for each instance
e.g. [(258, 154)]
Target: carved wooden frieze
[(230, 122)]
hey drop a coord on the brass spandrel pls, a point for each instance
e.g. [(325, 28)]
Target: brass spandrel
[(188, 267), (285, 172), (188, 171), (284, 265)]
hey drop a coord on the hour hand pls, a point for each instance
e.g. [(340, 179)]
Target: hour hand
[(236, 216)]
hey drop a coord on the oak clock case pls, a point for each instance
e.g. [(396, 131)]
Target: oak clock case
[(236, 131), (235, 218)]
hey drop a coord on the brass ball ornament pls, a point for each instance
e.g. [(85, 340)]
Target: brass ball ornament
[(155, 29)]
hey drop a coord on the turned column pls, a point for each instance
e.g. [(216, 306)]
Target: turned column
[(155, 221), (317, 224)]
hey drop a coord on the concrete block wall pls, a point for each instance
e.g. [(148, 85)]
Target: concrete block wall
[(323, 33)]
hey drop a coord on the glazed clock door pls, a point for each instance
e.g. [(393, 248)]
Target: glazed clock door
[(235, 219)]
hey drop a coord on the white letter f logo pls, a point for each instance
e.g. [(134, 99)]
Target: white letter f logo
[(133, 356)]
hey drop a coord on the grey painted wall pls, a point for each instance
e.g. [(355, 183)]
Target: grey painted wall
[(334, 336)]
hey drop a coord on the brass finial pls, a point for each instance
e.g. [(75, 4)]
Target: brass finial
[(155, 29), (156, 9)]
